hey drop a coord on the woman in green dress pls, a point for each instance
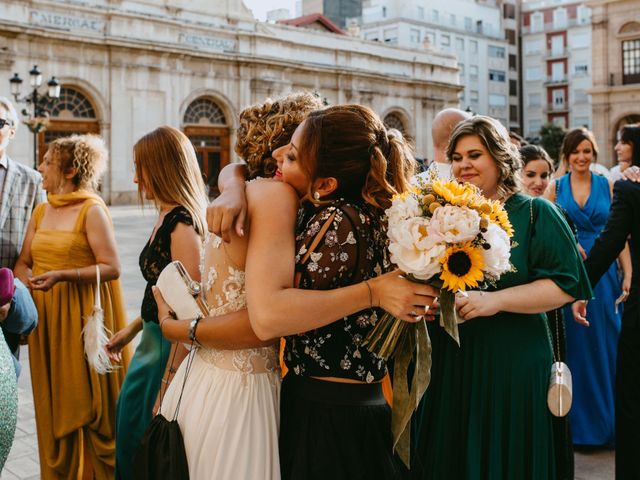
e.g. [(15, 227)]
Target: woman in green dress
[(485, 414)]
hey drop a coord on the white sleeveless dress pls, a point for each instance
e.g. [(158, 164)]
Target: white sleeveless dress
[(229, 414)]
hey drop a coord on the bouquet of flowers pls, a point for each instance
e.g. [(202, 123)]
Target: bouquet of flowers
[(448, 235)]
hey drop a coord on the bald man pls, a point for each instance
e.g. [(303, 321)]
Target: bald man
[(443, 124)]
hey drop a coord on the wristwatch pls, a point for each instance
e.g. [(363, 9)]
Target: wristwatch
[(192, 329)]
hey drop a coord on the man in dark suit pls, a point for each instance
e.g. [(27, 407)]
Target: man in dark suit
[(20, 192), (624, 221)]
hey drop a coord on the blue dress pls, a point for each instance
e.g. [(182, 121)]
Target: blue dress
[(591, 352)]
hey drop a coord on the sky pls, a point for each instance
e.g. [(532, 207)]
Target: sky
[(261, 7)]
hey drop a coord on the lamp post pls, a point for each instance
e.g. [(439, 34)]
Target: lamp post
[(40, 103)]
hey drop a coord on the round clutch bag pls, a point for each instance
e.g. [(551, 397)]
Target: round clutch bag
[(560, 391)]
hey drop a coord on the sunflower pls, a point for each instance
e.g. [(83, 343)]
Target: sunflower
[(455, 193), (499, 216), (461, 267)]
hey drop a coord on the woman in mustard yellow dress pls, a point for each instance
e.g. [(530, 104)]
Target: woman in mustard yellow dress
[(65, 241)]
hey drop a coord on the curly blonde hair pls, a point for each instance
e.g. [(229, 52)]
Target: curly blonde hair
[(267, 126), (86, 154)]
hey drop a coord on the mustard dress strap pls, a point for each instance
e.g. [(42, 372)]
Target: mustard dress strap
[(82, 215), (38, 213)]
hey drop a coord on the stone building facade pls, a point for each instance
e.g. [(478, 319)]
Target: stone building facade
[(127, 67), (615, 96)]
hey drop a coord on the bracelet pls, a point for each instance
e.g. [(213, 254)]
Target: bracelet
[(192, 329), (78, 275), (366, 282)]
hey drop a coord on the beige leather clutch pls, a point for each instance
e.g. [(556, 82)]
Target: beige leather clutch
[(181, 292)]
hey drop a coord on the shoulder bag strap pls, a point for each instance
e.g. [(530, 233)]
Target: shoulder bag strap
[(554, 351), (314, 244)]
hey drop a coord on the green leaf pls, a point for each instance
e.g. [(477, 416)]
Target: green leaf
[(448, 314)]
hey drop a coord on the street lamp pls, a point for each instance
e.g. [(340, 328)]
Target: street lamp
[(40, 103)]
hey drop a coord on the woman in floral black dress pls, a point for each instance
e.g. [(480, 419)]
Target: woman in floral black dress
[(335, 422)]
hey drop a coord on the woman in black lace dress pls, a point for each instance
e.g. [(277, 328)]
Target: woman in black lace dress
[(167, 173), (345, 167)]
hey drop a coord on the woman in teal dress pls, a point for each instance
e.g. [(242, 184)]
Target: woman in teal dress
[(485, 413), (591, 352), (167, 173)]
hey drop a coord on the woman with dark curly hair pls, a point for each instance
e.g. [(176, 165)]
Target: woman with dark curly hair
[(66, 241)]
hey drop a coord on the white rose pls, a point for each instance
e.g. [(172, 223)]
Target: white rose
[(496, 258), (403, 208), (455, 224), (414, 250)]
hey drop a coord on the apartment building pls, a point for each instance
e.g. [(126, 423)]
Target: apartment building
[(470, 30), (556, 64)]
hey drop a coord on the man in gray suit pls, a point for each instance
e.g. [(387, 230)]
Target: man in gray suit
[(20, 192)]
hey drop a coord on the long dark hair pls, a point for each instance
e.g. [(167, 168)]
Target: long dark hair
[(631, 134), (351, 144)]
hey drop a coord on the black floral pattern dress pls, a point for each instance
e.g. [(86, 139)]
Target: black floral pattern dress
[(331, 429), (354, 249)]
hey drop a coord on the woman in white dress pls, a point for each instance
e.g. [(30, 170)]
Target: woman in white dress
[(229, 411)]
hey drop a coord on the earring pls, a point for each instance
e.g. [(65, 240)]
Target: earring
[(316, 196)]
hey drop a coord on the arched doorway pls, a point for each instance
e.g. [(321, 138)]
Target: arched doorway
[(205, 124), (72, 114)]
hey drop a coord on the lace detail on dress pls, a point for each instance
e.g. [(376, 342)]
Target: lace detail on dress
[(224, 286)]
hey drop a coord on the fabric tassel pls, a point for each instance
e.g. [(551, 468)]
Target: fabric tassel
[(96, 335)]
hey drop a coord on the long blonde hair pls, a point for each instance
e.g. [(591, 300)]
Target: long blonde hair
[(167, 166)]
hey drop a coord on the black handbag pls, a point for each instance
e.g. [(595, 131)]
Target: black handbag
[(161, 454)]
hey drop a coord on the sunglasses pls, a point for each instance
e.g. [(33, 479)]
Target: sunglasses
[(4, 122)]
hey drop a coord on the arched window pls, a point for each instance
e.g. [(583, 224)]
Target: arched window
[(206, 126), (393, 120), (72, 114), (204, 111)]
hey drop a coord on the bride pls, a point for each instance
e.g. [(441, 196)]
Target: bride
[(229, 411)]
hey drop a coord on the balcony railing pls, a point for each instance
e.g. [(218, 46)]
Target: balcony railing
[(551, 27), (556, 80), (556, 107), (619, 79), (551, 53)]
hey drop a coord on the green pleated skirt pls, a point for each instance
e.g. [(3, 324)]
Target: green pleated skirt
[(139, 391), (484, 415)]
